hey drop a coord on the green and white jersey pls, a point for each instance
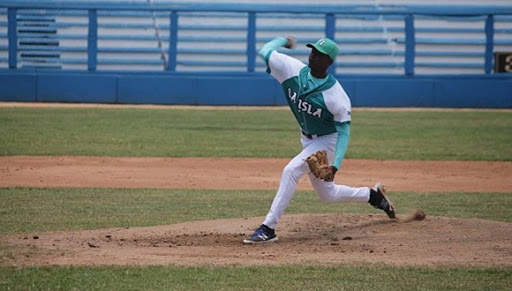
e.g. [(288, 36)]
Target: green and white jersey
[(317, 104), (320, 106)]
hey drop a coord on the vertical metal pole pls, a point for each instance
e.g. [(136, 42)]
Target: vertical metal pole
[(410, 44), (173, 41), (251, 42), (489, 43), (92, 41), (13, 38), (330, 30)]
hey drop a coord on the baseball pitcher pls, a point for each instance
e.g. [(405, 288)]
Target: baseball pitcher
[(322, 110)]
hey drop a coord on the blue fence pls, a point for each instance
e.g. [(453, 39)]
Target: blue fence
[(196, 53)]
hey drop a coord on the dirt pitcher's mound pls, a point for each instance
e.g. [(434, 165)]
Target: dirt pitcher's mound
[(313, 239)]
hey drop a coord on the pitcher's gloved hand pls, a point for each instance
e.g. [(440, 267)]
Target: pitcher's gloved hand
[(317, 163)]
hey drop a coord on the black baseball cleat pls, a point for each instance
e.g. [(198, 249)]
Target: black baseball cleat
[(263, 234), (379, 200)]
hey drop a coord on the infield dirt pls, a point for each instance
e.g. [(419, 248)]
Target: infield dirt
[(307, 239), (247, 173)]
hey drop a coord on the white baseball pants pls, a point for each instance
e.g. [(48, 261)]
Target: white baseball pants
[(297, 167)]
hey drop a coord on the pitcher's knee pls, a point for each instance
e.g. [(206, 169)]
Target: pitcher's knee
[(325, 191), (293, 171)]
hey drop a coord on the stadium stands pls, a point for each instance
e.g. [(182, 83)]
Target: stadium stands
[(377, 38)]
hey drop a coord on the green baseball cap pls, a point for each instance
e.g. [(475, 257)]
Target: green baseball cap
[(326, 46)]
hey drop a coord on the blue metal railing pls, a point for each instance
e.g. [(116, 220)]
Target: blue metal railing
[(252, 12), (92, 40), (361, 9)]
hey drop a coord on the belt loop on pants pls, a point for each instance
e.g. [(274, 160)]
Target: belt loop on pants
[(310, 136)]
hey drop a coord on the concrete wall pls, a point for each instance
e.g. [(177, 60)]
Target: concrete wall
[(249, 89)]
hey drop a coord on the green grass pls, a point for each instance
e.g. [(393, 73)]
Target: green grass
[(432, 135), (254, 278), (421, 135), (45, 209), (146, 133)]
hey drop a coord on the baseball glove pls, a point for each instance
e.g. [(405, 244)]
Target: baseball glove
[(317, 163)]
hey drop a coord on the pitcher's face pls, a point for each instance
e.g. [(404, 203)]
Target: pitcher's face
[(319, 61)]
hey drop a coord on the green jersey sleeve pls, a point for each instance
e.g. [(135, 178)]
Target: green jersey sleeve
[(271, 46), (343, 129)]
